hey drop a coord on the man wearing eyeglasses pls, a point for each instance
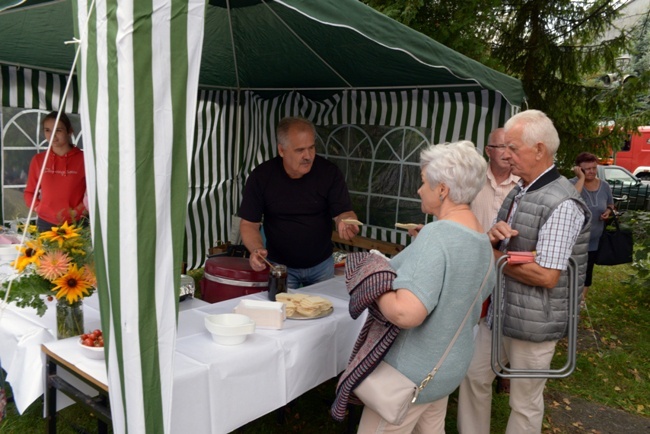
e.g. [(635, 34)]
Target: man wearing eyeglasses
[(498, 184), (485, 206)]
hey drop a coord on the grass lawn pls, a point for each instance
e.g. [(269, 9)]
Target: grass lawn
[(613, 369)]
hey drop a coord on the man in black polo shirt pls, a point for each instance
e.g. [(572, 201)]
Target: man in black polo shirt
[(296, 195)]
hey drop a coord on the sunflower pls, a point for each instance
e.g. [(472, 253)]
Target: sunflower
[(53, 264), (72, 285), (61, 233), (31, 229), (30, 253)]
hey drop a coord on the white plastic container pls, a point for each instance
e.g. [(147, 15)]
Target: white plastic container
[(229, 328), (96, 353), (8, 252), (266, 314)]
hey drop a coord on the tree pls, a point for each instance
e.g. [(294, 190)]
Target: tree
[(463, 26), (553, 47)]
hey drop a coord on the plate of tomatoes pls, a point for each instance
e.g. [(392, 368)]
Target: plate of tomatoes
[(92, 344)]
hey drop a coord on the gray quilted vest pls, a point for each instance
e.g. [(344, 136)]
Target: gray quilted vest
[(534, 313)]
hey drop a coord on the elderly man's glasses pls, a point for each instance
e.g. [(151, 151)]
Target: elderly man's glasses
[(500, 147)]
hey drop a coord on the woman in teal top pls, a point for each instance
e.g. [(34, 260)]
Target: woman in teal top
[(438, 276)]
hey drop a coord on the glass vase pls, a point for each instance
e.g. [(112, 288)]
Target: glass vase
[(69, 318)]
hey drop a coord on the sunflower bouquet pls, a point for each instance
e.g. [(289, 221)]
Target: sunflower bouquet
[(56, 263)]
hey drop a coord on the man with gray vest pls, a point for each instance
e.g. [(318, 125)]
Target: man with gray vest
[(543, 214)]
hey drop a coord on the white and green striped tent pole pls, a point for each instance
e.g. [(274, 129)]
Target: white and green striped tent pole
[(138, 79)]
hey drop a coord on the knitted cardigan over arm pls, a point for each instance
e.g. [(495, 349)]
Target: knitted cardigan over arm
[(367, 276)]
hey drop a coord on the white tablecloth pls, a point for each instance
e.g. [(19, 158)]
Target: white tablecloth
[(22, 332), (219, 388)]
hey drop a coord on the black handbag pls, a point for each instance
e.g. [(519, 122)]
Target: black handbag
[(615, 246)]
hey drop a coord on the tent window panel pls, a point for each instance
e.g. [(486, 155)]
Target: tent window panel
[(383, 211), (386, 179), (405, 143), (409, 211), (360, 205), (389, 148), (14, 204), (357, 173), (348, 140), (411, 182), (16, 166)]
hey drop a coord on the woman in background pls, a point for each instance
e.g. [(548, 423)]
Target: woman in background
[(438, 276), (598, 197), (61, 193)]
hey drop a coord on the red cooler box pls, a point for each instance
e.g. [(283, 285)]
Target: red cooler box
[(226, 277)]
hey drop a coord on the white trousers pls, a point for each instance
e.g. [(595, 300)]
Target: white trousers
[(526, 394), (420, 419)]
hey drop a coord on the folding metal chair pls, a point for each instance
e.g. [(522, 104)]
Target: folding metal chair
[(572, 334)]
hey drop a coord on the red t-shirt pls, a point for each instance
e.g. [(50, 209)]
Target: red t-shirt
[(62, 189)]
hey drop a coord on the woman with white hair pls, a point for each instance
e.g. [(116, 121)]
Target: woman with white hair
[(438, 277)]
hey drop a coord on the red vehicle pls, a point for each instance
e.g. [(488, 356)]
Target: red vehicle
[(635, 154)]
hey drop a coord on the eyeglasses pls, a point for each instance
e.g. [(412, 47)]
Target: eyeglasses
[(501, 146)]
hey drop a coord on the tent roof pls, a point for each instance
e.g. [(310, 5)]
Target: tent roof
[(279, 45)]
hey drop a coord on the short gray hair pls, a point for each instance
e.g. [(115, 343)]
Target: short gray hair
[(285, 124), (458, 165), (536, 128)]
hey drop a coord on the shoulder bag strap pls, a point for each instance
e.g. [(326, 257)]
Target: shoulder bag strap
[(431, 374)]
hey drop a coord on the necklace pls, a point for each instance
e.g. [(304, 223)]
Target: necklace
[(591, 196), (452, 212)]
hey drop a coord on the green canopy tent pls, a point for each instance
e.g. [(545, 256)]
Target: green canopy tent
[(334, 62), (172, 161)]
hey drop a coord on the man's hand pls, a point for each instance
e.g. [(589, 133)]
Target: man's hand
[(256, 260), (346, 231), (500, 231)]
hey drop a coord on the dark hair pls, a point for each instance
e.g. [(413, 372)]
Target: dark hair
[(285, 125), (586, 157), (63, 119)]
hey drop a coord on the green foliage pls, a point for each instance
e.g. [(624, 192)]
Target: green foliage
[(554, 48), (28, 291), (639, 221), (464, 26), (613, 349)]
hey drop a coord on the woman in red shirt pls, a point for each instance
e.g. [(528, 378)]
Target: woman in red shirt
[(61, 193)]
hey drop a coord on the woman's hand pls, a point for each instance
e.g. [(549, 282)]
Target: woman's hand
[(578, 171), (607, 214), (415, 231)]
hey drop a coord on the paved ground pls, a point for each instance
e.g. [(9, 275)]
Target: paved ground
[(571, 415)]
